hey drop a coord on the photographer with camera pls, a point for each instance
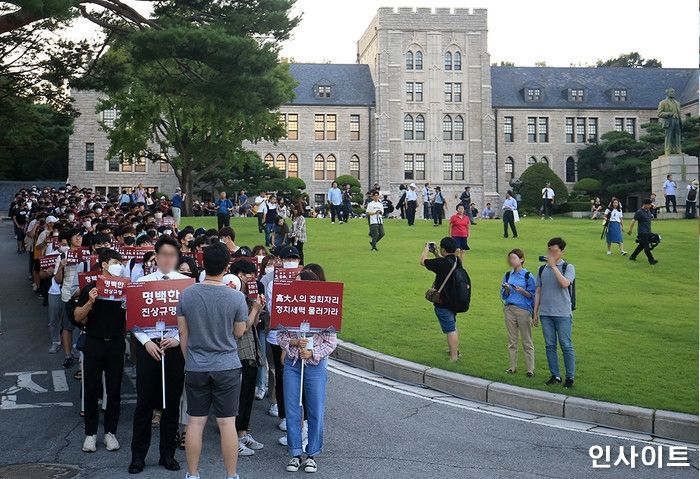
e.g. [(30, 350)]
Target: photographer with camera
[(644, 235), (443, 265)]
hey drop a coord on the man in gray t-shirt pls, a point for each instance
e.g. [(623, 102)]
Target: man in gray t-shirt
[(553, 309)]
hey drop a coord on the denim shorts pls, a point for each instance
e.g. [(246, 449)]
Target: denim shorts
[(447, 319)]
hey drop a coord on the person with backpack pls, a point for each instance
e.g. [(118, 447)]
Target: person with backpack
[(451, 291), (691, 200), (555, 299), (518, 294)]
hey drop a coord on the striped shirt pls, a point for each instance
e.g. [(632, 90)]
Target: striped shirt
[(324, 343)]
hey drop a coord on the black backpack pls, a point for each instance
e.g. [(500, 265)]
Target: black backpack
[(458, 291), (572, 286), (692, 194)]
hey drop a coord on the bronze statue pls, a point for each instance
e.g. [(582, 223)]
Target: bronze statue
[(670, 110)]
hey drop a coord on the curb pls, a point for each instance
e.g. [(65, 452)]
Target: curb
[(655, 422)]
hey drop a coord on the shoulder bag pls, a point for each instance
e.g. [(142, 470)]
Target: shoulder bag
[(432, 294)]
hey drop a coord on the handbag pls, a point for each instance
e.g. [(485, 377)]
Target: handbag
[(432, 294)]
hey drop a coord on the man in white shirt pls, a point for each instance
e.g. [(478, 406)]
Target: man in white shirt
[(426, 201), (375, 213), (259, 209), (547, 200), (670, 193), (150, 350), (411, 202)]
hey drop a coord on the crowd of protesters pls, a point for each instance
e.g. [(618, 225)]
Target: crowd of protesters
[(222, 356)]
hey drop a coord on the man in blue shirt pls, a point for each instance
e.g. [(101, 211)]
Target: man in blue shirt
[(335, 198), (510, 206), (224, 206), (176, 204)]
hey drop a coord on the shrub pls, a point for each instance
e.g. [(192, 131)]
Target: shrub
[(533, 180), (588, 185), (355, 186)]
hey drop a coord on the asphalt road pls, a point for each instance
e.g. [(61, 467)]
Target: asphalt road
[(373, 429)]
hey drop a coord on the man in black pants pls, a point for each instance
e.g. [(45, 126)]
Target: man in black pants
[(643, 219), (411, 202), (150, 351), (510, 206)]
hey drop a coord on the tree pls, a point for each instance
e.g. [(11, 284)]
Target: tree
[(630, 60), (533, 180), (355, 187), (253, 175), (503, 64), (192, 90)]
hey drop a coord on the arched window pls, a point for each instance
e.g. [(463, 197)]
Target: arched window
[(545, 160), (448, 61), (355, 166), (419, 60), (447, 127), (409, 60), (330, 167), (281, 163), (420, 127), (531, 161), (293, 166), (319, 165), (457, 61), (570, 170), (408, 127), (459, 128), (509, 168), (269, 161)]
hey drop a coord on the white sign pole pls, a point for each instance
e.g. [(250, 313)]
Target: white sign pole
[(304, 328), (160, 326)]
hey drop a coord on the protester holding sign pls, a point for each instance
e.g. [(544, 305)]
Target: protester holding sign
[(67, 275), (104, 320), (150, 351)]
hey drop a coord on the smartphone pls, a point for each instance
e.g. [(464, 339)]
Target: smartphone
[(431, 246), (543, 259)]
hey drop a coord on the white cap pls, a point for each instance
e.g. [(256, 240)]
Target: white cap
[(51, 219), (412, 185)]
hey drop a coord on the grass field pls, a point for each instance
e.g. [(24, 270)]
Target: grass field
[(635, 327)]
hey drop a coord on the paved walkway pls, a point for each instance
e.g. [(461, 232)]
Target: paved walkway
[(373, 428)]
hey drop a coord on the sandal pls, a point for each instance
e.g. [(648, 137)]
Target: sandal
[(530, 374), (183, 435), (510, 371), (78, 375), (155, 421)]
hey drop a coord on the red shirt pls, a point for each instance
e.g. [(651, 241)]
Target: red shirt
[(459, 227)]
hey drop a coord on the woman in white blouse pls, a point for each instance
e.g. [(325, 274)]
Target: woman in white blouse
[(613, 217)]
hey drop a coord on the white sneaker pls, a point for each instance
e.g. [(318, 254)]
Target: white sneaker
[(251, 443), (309, 465), (282, 441), (623, 253), (609, 252), (282, 426), (273, 411), (55, 347), (243, 450), (90, 443), (260, 393), (293, 464), (111, 442)]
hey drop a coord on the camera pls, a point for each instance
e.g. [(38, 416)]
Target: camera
[(431, 246), (543, 259)]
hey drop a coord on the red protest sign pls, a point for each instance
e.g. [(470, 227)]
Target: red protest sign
[(148, 302), (86, 278), (111, 288), (48, 262), (73, 256), (319, 303), (85, 253), (252, 289), (135, 252), (198, 258), (286, 275)]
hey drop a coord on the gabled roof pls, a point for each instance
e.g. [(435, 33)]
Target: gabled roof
[(645, 86), (351, 84)]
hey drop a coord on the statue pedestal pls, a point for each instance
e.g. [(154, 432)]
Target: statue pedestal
[(684, 169)]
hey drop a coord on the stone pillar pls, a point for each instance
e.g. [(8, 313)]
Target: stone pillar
[(684, 169)]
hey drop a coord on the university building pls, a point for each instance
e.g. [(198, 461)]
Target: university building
[(422, 104)]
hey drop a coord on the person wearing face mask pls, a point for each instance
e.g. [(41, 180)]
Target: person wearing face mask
[(188, 266), (150, 350), (228, 237), (266, 373), (104, 320), (67, 276)]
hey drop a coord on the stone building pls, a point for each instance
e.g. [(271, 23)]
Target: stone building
[(423, 104)]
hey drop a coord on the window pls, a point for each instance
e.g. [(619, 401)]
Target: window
[(543, 129), (448, 61), (114, 163), (531, 161), (593, 130), (446, 167), (408, 167), (457, 92), (459, 128), (293, 166), (619, 124), (269, 161), (457, 61), (537, 129), (330, 127), (419, 60), (101, 190), (292, 126), (281, 163), (576, 95), (319, 127), (330, 167), (109, 116), (323, 91), (532, 129), (508, 129), (545, 160), (420, 167), (319, 166), (355, 166), (408, 127), (580, 130), (409, 91), (354, 127), (448, 92), (163, 166), (630, 127), (653, 120), (533, 94), (459, 167), (320, 198), (509, 168), (620, 95), (420, 127), (140, 164), (409, 60), (418, 90), (127, 166), (569, 130), (570, 170), (89, 157), (447, 127)]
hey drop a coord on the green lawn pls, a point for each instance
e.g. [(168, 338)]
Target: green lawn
[(635, 327)]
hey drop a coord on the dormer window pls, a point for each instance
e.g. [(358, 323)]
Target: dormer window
[(619, 95), (576, 94), (533, 94), (323, 91)]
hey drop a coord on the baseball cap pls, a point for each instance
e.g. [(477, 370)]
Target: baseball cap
[(289, 252), (51, 219), (412, 185)]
